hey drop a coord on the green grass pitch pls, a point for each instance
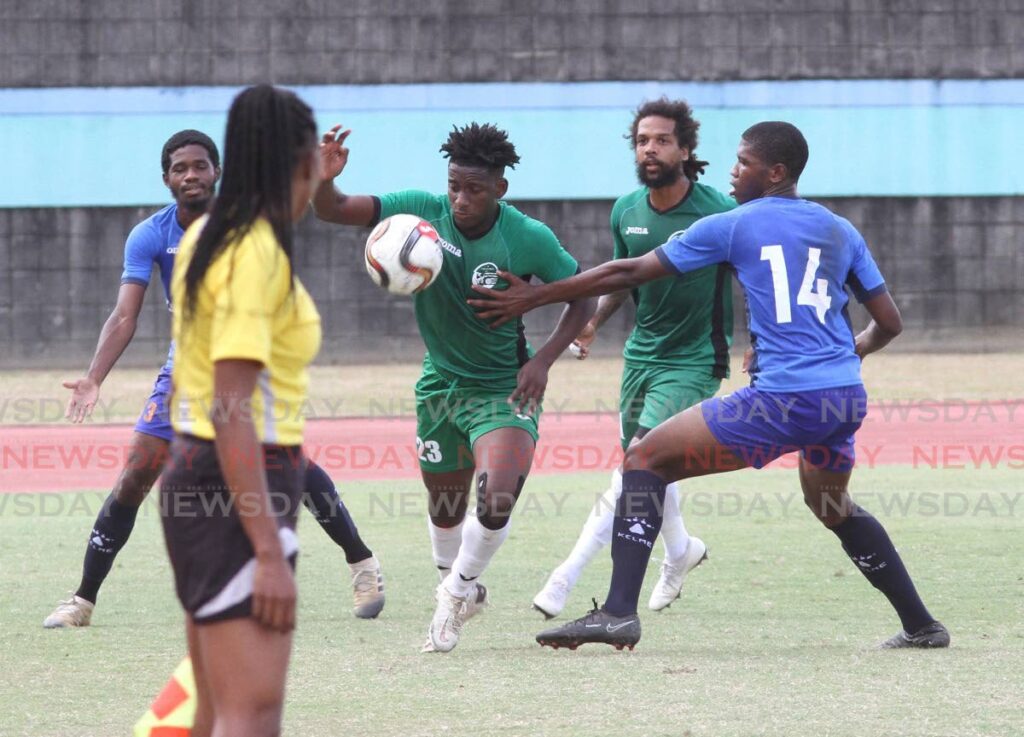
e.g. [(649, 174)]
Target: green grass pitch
[(773, 636)]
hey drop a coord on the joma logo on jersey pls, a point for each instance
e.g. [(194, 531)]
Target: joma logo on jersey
[(636, 230), (453, 250), (172, 249), (485, 275)]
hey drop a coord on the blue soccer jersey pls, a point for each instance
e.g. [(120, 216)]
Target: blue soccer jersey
[(153, 241), (794, 259)]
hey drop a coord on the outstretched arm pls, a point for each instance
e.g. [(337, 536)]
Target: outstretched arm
[(329, 203), (520, 297), (115, 336), (885, 325)]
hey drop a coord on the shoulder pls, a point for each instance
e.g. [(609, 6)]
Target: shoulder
[(630, 200), (517, 224), (415, 202), (147, 233), (709, 198)]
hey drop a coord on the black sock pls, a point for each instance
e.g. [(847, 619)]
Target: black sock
[(321, 498), (638, 517), (111, 531), (869, 547)]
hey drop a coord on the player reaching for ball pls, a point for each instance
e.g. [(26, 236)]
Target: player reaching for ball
[(479, 396), (794, 259)]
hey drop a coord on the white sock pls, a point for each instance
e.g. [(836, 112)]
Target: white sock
[(596, 532), (445, 542), (479, 545), (673, 532)]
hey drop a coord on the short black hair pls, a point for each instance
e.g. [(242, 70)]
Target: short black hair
[(778, 142), (188, 137), (686, 129), (485, 146)]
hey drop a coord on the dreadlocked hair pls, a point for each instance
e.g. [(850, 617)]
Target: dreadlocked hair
[(484, 146), (686, 130), (268, 130)]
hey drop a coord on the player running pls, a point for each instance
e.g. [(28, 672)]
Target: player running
[(191, 168), (478, 399), (794, 259), (678, 352)]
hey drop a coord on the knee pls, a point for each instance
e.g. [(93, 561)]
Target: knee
[(831, 511), (495, 509), (638, 457)]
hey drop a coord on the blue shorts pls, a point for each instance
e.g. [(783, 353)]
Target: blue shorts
[(758, 426), (155, 419)]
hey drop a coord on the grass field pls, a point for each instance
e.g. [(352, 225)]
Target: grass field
[(773, 636), (576, 386)]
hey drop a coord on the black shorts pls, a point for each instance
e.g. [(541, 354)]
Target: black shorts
[(210, 553)]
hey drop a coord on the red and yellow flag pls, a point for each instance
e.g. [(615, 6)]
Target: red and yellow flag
[(173, 711)]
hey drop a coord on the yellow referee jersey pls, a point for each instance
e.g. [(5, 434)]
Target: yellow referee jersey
[(245, 308)]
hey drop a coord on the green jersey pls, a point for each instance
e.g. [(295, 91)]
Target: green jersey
[(680, 321), (459, 344)]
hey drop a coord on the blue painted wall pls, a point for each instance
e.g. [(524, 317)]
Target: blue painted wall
[(100, 147)]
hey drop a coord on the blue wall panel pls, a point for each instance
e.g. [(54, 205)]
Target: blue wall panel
[(91, 147)]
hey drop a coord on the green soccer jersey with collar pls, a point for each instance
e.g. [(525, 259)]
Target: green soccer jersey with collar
[(680, 321), (459, 344)]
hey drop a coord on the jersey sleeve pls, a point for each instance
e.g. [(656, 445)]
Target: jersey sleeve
[(411, 201), (140, 252), (865, 279), (254, 286), (619, 250), (704, 243), (549, 261)]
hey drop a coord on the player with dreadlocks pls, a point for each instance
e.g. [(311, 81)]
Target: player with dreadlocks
[(678, 352), (478, 399)]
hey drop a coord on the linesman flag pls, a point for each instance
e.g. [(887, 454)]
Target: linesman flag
[(173, 711)]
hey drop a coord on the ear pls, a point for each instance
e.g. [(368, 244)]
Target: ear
[(686, 153), (167, 180), (778, 173), (500, 187), (216, 174)]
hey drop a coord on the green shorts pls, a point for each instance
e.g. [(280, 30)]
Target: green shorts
[(450, 418), (649, 395)]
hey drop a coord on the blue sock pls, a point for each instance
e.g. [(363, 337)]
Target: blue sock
[(638, 517), (111, 531), (869, 547), (321, 498)]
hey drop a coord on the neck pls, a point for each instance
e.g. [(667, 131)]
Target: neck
[(665, 198), (782, 189), (482, 229), (186, 216)]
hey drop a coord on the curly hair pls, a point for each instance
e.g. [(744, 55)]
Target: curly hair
[(686, 129), (485, 146), (186, 138)]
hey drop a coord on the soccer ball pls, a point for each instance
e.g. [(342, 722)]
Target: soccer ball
[(403, 254)]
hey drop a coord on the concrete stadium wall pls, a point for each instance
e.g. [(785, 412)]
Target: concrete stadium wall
[(188, 42), (953, 264)]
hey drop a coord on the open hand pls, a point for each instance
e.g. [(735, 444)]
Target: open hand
[(84, 394), (502, 305), (333, 153)]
